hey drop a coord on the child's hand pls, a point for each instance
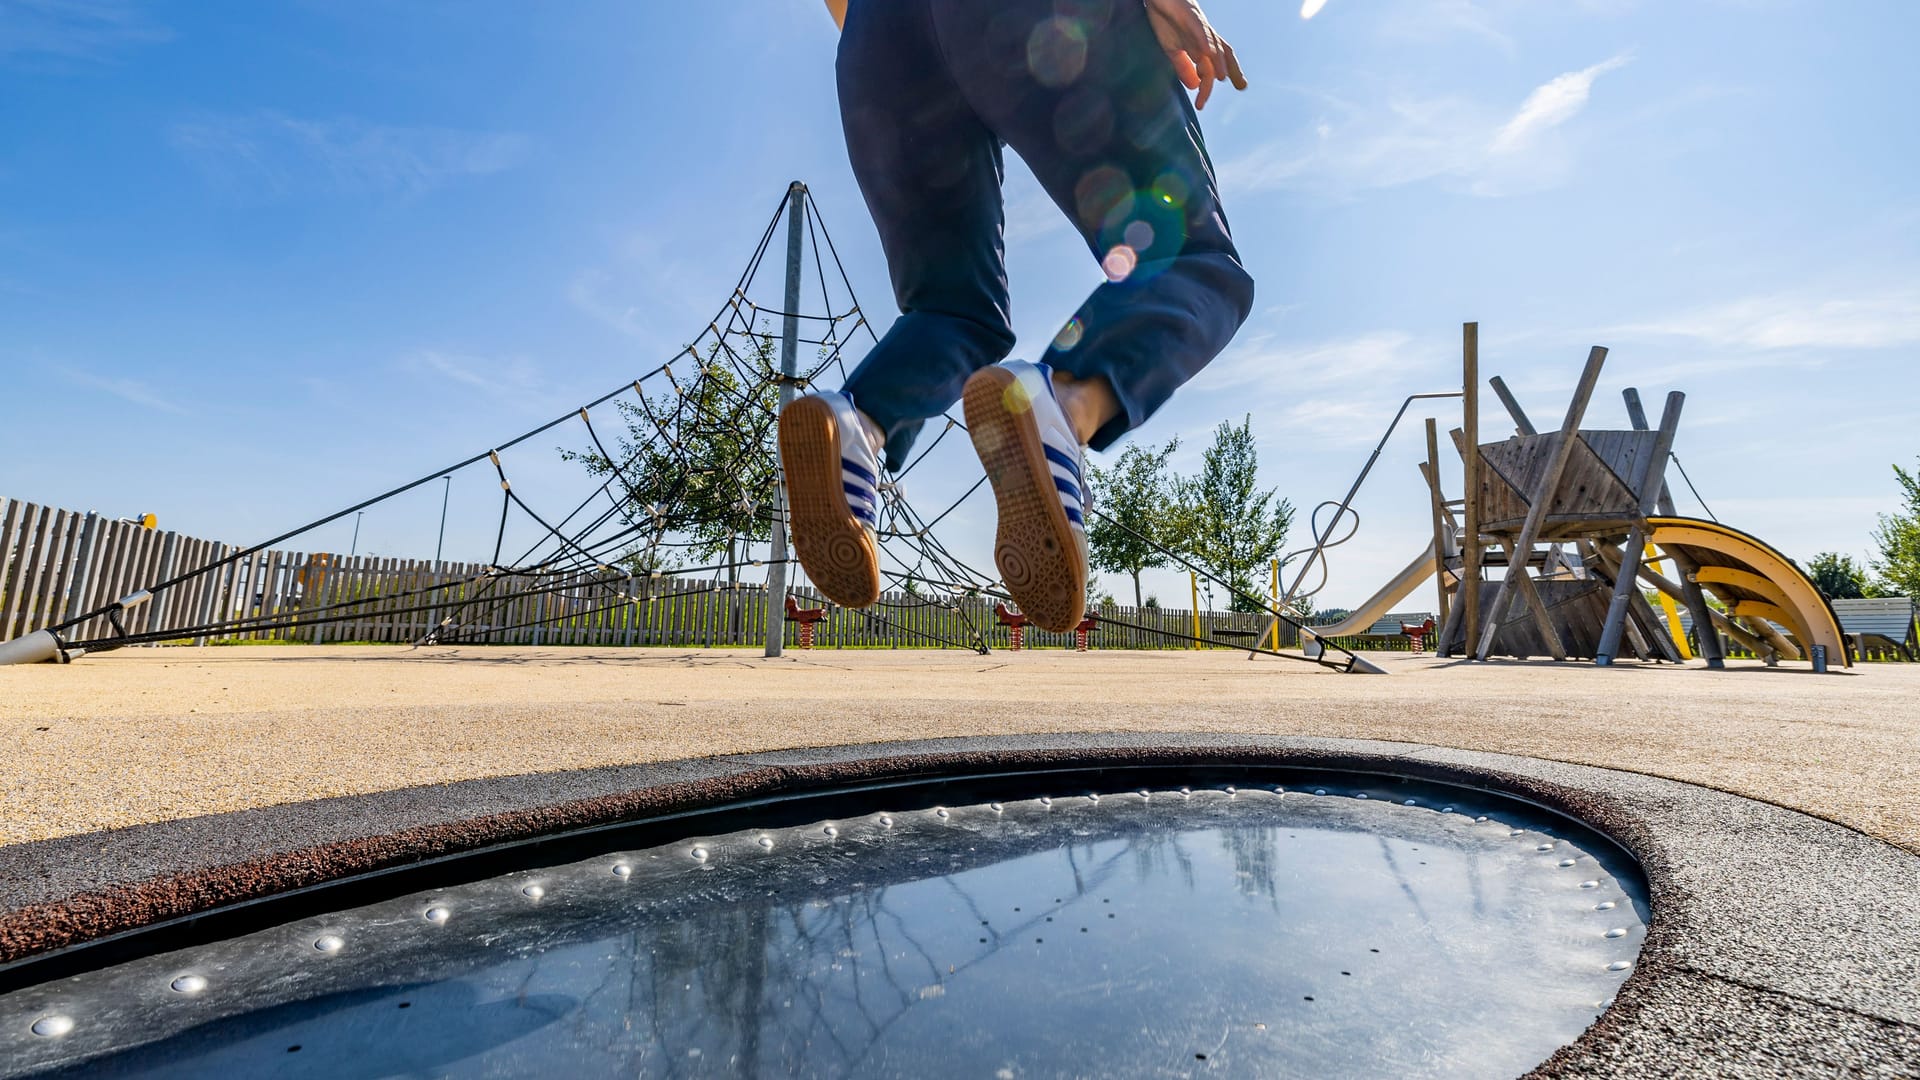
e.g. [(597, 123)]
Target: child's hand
[(1200, 56)]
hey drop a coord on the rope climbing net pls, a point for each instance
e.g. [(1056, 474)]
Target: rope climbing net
[(686, 487)]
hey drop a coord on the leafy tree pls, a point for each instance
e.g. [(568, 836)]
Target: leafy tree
[(1136, 492), (696, 463), (1839, 576), (1229, 525), (1898, 537)]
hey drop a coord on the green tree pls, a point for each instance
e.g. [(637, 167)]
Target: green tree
[(696, 463), (1136, 492), (1839, 576), (1898, 537), (1229, 525)]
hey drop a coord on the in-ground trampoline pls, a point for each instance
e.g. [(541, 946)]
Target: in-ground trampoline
[(1143, 921)]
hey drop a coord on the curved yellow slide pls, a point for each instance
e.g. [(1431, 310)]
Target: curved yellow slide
[(1753, 580)]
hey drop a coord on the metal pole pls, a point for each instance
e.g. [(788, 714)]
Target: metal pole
[(441, 543), (355, 548), (789, 360)]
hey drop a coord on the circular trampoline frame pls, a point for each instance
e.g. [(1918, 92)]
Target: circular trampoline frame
[(1732, 975)]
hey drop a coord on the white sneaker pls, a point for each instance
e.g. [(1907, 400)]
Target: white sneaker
[(833, 501), (1037, 467)]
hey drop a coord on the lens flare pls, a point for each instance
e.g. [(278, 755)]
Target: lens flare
[(1069, 335), (1057, 51), (1119, 263), (1310, 8)]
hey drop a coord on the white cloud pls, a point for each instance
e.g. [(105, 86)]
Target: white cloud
[(1350, 148), (129, 390), (513, 380), (1880, 319), (1551, 105), (278, 154), (74, 29)]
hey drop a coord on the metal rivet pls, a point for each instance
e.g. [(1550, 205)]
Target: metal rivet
[(1278, 790), (1362, 795), (1446, 809), (53, 1026), (886, 822), (1566, 862), (765, 842), (1319, 791), (1604, 905), (1145, 794), (1186, 792), (699, 854), (1589, 884), (1046, 801), (1544, 847), (189, 984), (941, 812), (436, 915), (329, 943), (534, 891), (1411, 802), (1093, 796), (1481, 820), (995, 807), (830, 830), (622, 870), (1619, 965), (1617, 931), (1231, 791)]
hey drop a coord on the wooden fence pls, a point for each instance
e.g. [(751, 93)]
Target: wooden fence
[(57, 564)]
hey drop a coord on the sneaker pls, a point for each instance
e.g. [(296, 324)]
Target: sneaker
[(1036, 464), (833, 499)]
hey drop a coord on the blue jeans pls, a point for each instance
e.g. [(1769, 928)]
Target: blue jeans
[(930, 91)]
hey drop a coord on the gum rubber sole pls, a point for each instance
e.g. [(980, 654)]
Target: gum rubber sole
[(1034, 548), (832, 545)]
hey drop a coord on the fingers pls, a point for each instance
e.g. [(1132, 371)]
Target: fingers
[(1184, 70), (1206, 91), (1234, 73)]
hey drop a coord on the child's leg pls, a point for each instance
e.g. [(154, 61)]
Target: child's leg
[(931, 173), (1091, 103)]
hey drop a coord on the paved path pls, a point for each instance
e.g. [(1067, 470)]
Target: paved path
[(150, 735)]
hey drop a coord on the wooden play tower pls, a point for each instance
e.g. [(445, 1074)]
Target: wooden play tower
[(1558, 529)]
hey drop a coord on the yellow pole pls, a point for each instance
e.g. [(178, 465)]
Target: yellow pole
[(1273, 590), (1193, 580), (1673, 612)]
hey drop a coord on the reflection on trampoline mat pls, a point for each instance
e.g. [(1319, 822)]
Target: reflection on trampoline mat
[(1360, 926)]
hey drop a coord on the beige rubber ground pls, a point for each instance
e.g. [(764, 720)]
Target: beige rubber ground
[(1034, 548), (834, 548), (142, 735)]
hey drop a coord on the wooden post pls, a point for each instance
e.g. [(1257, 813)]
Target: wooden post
[(1273, 592), (1521, 424), (1696, 600), (1542, 499), (1627, 585), (1469, 599), (1438, 499)]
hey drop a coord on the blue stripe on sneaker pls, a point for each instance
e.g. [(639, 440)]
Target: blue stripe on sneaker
[(865, 515), (1068, 487), (1063, 459), (859, 470), (851, 488), (1074, 516)]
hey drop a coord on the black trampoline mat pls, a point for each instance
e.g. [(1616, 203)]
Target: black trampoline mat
[(1305, 924)]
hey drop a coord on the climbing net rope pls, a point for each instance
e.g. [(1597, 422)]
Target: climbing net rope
[(687, 487)]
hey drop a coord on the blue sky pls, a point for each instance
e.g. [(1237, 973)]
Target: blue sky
[(258, 261)]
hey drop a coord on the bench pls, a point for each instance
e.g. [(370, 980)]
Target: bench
[(1886, 620)]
